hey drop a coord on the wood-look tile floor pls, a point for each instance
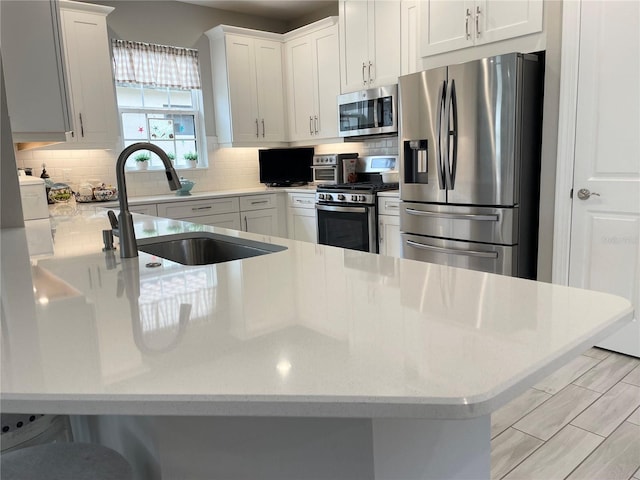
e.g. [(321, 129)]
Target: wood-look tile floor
[(580, 423)]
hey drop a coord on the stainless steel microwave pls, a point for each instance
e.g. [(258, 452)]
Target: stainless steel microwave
[(368, 112)]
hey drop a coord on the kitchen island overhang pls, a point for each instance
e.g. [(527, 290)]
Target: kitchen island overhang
[(327, 333)]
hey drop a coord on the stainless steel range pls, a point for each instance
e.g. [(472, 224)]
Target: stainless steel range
[(347, 212)]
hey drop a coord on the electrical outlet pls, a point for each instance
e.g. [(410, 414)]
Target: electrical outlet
[(66, 174)]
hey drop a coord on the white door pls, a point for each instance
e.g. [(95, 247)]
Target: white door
[(389, 235), (300, 88), (327, 79), (270, 90), (605, 249), (242, 88), (498, 20), (384, 49), (354, 48), (447, 25), (264, 222)]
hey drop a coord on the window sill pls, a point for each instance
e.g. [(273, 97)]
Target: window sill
[(160, 169)]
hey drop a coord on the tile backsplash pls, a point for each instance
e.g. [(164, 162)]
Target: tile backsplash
[(229, 168)]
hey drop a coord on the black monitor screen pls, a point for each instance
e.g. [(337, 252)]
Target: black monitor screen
[(285, 166)]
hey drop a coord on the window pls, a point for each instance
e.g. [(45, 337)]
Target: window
[(160, 100)]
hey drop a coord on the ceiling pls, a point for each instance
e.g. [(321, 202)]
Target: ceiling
[(276, 9)]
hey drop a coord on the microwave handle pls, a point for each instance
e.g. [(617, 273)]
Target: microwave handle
[(377, 112)]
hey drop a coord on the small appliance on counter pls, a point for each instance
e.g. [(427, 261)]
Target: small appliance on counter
[(330, 168), (34, 197)]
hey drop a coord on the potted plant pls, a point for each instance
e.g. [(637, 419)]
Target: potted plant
[(142, 160), (191, 158), (172, 156)]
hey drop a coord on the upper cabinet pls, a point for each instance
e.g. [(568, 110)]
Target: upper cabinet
[(90, 75), (248, 86), (369, 43), (454, 24), (313, 81), (34, 71), (58, 76)]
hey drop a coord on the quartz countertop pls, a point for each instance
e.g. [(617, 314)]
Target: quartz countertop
[(309, 331)]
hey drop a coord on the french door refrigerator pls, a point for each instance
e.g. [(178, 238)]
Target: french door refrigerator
[(470, 164)]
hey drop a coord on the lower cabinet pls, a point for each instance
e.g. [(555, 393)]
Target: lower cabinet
[(148, 209), (259, 214), (217, 212), (389, 226), (301, 217)]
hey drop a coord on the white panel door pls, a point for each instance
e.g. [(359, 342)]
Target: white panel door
[(446, 25), (300, 88), (497, 20), (605, 248), (354, 48), (384, 49), (389, 241), (242, 88), (264, 222), (409, 36), (270, 90), (327, 81)]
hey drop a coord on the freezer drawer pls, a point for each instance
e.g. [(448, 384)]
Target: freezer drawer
[(478, 224), (474, 256)]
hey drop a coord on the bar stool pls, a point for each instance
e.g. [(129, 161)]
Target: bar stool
[(28, 452)]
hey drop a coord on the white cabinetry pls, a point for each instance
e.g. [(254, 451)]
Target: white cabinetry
[(146, 209), (34, 71), (248, 86), (313, 80), (259, 214), (301, 217), (389, 226), (410, 36), (369, 43), (217, 212), (454, 24), (89, 74)]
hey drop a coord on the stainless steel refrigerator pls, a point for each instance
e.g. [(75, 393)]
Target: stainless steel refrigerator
[(470, 164)]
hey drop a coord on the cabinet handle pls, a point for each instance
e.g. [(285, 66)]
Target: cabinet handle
[(477, 22), (258, 202), (364, 65), (81, 126), (310, 125), (195, 209), (246, 226), (369, 72), (392, 206), (257, 129), (263, 128), (466, 24), (316, 123), (380, 237)]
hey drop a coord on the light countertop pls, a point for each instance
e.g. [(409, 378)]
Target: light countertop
[(310, 331)]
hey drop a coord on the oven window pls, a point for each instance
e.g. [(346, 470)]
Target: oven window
[(357, 115), (344, 229), (324, 174)]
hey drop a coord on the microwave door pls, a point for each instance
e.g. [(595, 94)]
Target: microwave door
[(422, 99), (484, 100)]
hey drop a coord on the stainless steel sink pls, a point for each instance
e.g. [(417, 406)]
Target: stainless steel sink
[(204, 248)]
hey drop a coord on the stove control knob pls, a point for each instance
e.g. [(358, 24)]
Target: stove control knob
[(328, 196), (354, 198), (341, 197), (321, 196), (362, 198)]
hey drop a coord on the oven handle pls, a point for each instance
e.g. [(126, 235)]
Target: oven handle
[(454, 251), (335, 208)]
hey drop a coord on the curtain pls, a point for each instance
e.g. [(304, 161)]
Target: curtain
[(155, 65)]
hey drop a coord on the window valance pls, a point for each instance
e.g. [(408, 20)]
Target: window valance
[(155, 65)]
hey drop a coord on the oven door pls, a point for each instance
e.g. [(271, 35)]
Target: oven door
[(352, 227), (327, 174)]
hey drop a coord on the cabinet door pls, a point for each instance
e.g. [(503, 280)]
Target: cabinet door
[(242, 88), (90, 78), (268, 61), (264, 222), (389, 235), (149, 209), (354, 49), (303, 225), (448, 25), (409, 36), (300, 87), (384, 46), (327, 82), (497, 20)]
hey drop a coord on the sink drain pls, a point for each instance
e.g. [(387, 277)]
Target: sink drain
[(153, 264)]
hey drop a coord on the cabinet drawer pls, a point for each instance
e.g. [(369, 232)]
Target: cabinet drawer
[(388, 206), (258, 202), (302, 200), (198, 208), (145, 209), (225, 220)]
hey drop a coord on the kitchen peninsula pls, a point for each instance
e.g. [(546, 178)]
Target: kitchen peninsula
[(311, 362)]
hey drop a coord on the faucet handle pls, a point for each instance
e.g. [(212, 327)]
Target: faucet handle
[(113, 221)]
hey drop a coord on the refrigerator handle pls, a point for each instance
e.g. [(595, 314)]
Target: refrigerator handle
[(439, 149), (450, 112)]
